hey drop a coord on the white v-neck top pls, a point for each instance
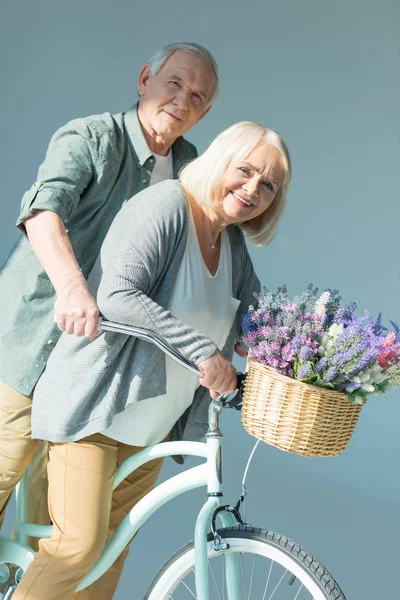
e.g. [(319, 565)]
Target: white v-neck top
[(204, 302), (163, 168)]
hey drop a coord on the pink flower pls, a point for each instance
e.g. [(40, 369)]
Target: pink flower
[(390, 351), (290, 307), (389, 340)]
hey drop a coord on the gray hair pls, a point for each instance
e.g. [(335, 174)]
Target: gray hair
[(202, 177), (157, 61)]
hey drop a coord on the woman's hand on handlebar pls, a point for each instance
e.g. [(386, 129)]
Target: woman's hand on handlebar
[(218, 375)]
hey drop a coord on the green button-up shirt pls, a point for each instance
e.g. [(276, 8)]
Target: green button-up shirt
[(92, 166)]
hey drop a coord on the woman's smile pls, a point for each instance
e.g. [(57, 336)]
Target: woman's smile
[(241, 199)]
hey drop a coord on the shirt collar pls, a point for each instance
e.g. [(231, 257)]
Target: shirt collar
[(136, 135)]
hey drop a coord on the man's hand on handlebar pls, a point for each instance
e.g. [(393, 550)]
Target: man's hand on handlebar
[(76, 311)]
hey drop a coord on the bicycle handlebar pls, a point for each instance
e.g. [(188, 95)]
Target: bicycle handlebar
[(150, 336)]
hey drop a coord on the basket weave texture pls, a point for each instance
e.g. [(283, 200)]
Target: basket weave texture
[(294, 416)]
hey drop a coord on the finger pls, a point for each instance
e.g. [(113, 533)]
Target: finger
[(240, 350), (69, 326), (91, 328), (214, 394), (60, 323), (79, 327), (207, 378)]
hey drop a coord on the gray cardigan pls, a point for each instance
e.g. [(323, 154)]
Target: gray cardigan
[(87, 383)]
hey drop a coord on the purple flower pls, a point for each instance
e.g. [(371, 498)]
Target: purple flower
[(346, 315), (296, 344), (305, 353), (330, 374), (304, 371), (396, 330), (350, 386), (246, 322), (287, 352), (321, 365)]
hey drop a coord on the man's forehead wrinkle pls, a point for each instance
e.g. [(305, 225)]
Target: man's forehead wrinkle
[(187, 75)]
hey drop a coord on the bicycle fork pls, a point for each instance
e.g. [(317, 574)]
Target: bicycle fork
[(208, 513)]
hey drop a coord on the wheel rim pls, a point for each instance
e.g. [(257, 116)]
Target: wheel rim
[(265, 573)]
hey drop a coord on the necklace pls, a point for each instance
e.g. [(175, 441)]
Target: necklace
[(212, 244)]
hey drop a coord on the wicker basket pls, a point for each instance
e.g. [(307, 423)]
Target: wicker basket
[(296, 417)]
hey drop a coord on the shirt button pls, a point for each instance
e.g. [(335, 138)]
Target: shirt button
[(50, 342), (151, 159), (144, 180)]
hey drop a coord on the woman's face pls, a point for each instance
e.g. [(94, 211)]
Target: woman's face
[(249, 187)]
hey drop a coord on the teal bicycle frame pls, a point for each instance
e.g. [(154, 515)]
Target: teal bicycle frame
[(208, 474)]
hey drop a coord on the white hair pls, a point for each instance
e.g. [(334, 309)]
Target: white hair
[(157, 61), (202, 177)]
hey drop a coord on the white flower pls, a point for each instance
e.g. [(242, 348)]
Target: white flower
[(365, 377), (321, 351), (335, 330), (320, 304), (325, 339), (393, 375), (367, 387), (378, 377)]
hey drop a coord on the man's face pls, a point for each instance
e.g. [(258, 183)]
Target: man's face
[(175, 99)]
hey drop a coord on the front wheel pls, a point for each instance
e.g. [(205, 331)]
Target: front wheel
[(270, 567)]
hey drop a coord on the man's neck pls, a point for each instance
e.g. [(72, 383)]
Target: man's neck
[(156, 143)]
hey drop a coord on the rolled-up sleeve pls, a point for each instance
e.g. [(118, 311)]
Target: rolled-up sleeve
[(65, 173)]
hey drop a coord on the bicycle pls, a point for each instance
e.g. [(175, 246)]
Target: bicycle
[(213, 565)]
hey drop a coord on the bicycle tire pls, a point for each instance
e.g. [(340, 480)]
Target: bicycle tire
[(306, 571)]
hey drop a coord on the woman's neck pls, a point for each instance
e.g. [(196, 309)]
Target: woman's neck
[(208, 230), (206, 217)]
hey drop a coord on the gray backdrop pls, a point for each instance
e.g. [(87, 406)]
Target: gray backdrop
[(326, 76)]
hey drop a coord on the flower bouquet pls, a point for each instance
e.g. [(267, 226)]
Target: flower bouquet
[(312, 364)]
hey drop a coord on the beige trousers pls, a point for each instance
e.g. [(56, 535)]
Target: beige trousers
[(17, 450), (85, 512)]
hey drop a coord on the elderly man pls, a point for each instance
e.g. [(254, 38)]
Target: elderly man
[(93, 165)]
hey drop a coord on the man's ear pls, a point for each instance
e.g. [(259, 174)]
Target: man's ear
[(144, 76)]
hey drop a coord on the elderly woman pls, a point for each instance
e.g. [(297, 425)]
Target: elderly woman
[(174, 261)]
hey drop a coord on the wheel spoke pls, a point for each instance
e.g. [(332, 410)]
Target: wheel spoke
[(252, 574), (244, 579), (188, 589), (298, 591), (278, 584), (268, 578)]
